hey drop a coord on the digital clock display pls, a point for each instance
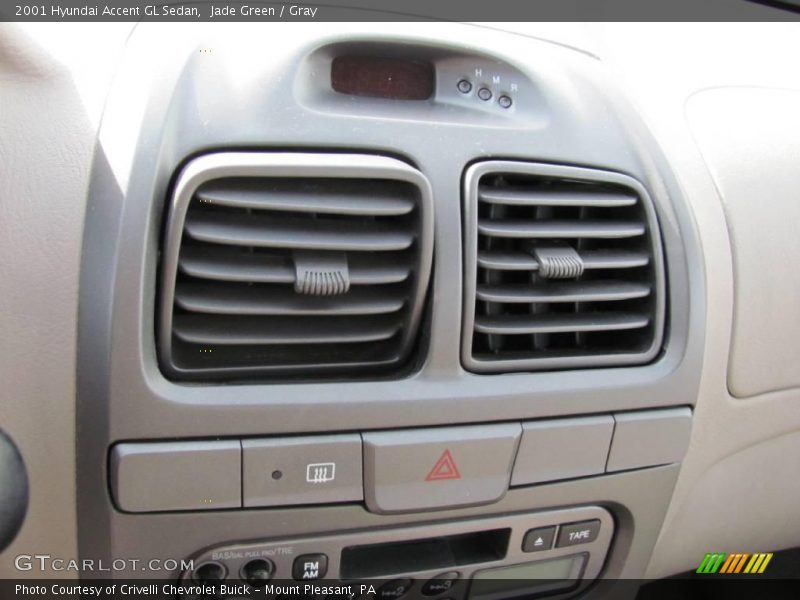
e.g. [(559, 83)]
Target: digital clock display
[(382, 77)]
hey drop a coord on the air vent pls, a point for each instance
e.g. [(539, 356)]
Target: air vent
[(283, 265), (563, 269)]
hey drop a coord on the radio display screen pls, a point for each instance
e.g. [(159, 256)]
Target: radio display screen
[(558, 574)]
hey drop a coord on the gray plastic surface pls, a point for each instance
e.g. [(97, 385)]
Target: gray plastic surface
[(166, 476), (429, 469), (562, 449), (302, 470), (755, 158), (183, 98), (649, 438)]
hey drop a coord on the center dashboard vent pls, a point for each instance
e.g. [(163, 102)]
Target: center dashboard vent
[(282, 265), (564, 269)]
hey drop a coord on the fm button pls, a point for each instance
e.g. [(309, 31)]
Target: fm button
[(578, 533), (310, 566)]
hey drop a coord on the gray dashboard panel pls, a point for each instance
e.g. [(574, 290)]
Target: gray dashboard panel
[(762, 149), (189, 103)]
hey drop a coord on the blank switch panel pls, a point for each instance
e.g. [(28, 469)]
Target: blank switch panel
[(167, 476), (562, 449), (649, 438)]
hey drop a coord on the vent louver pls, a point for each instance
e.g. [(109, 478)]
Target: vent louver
[(563, 269), (284, 265)]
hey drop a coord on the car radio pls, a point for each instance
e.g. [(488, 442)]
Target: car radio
[(480, 559)]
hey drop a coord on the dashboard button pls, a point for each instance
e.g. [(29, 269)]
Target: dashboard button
[(157, 476), (485, 94), (319, 469), (578, 533), (420, 469), (555, 449), (310, 566), (440, 584), (464, 86), (539, 539), (649, 438), (392, 590)]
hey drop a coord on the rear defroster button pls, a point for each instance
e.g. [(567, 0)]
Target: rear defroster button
[(578, 533)]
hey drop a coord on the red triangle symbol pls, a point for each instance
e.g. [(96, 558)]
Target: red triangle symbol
[(445, 468)]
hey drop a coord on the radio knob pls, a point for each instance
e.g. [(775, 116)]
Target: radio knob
[(210, 573), (257, 572)]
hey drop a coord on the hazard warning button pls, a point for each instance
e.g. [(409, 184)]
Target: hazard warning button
[(422, 469)]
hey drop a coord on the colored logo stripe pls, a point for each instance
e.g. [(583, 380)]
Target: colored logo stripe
[(758, 563), (732, 564), (711, 563)]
